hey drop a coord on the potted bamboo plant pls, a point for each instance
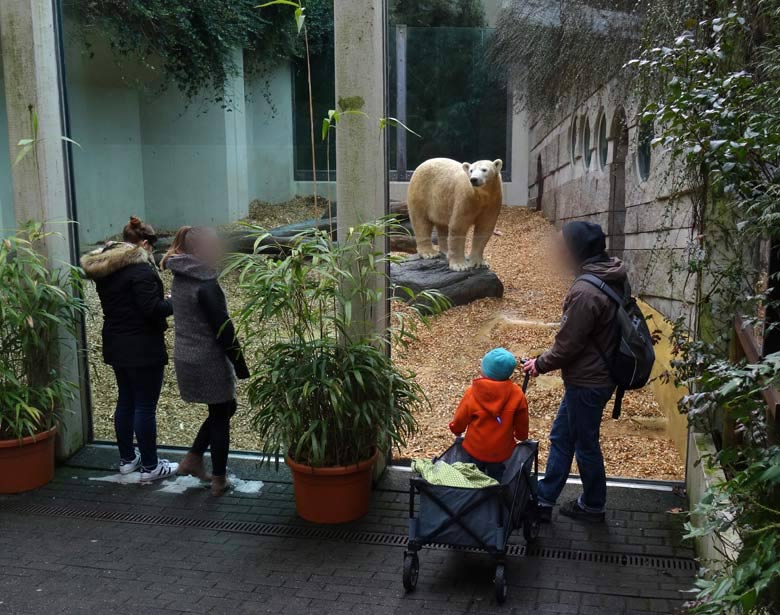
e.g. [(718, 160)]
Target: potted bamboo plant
[(38, 304), (325, 392)]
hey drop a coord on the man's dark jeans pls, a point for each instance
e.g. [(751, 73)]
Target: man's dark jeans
[(136, 412), (575, 432)]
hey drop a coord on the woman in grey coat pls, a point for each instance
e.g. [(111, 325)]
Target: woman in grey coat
[(207, 355)]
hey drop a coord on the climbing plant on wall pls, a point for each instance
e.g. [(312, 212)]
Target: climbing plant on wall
[(192, 43), (716, 87), (559, 53)]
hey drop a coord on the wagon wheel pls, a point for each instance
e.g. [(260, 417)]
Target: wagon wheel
[(500, 583), (411, 571), (530, 529)]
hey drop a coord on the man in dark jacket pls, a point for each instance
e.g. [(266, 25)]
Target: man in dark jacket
[(585, 338)]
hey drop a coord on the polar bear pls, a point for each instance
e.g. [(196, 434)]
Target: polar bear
[(453, 197)]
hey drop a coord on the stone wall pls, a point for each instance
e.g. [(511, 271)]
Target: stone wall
[(601, 180)]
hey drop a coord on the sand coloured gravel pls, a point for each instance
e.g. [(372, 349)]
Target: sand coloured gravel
[(446, 358)]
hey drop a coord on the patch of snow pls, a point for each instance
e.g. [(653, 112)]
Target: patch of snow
[(250, 487), (182, 483), (120, 479)]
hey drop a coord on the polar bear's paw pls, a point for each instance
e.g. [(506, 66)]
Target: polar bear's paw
[(479, 263), (429, 255), (461, 266)]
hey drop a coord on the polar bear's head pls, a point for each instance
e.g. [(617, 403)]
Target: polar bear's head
[(483, 171)]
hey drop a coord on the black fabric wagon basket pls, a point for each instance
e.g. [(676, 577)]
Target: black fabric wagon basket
[(475, 518)]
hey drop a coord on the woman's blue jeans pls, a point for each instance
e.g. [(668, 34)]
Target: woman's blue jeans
[(575, 433), (136, 412)]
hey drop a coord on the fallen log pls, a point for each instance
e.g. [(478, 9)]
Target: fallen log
[(460, 287)]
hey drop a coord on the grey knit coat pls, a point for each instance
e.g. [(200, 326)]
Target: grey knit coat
[(203, 371)]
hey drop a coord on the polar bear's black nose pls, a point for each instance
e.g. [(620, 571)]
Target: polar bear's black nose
[(474, 181)]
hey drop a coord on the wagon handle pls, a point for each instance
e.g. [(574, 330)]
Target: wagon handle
[(527, 376)]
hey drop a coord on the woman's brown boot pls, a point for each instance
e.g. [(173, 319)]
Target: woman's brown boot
[(219, 484), (192, 465)]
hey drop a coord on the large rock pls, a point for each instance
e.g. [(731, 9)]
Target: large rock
[(460, 287)]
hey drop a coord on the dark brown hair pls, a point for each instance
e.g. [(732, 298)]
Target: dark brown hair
[(137, 231)]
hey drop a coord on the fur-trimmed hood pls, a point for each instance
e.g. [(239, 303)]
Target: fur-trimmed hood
[(112, 257)]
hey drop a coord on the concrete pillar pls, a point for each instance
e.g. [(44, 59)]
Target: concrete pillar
[(30, 51), (361, 153)]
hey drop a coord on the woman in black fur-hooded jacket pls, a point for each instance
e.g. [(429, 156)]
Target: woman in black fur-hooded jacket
[(135, 311)]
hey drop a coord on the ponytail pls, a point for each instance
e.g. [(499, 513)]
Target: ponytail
[(136, 231)]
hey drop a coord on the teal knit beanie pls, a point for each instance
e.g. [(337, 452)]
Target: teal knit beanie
[(498, 364)]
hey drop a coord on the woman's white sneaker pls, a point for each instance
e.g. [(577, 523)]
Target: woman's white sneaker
[(164, 469), (128, 467)]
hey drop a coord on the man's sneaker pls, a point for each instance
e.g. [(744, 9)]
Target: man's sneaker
[(164, 469), (575, 511), (128, 467), (544, 513)]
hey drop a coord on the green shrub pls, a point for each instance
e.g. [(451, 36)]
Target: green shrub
[(38, 304), (324, 388)]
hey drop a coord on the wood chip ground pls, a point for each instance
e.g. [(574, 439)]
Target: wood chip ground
[(446, 358)]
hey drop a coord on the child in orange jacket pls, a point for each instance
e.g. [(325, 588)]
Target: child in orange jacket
[(495, 411)]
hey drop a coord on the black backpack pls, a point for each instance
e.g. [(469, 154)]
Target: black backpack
[(632, 361)]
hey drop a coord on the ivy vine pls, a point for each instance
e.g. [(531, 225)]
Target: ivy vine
[(558, 54), (192, 43)]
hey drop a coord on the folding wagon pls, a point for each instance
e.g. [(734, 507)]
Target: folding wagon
[(475, 518)]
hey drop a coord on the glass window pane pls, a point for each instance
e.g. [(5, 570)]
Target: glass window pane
[(176, 156), (457, 107), (586, 151), (644, 149), (603, 141), (573, 140)]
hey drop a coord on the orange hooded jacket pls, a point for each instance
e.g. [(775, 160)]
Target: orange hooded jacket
[(496, 414)]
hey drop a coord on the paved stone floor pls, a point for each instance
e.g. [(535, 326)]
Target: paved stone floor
[(87, 546)]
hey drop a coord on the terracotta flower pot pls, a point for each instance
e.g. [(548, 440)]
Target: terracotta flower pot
[(28, 463), (332, 495)]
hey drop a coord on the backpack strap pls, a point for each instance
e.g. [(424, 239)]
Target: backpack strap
[(607, 290), (602, 286)]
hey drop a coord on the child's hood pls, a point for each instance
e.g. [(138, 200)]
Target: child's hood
[(495, 395)]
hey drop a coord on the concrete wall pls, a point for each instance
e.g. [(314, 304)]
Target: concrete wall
[(150, 152), (186, 167), (269, 124), (7, 218), (713, 550), (656, 230), (108, 167)]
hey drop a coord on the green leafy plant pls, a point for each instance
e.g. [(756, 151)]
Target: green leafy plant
[(325, 389), (38, 304), (29, 146), (192, 43), (716, 116)]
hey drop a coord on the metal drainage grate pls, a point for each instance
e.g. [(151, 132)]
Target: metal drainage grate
[(342, 535)]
